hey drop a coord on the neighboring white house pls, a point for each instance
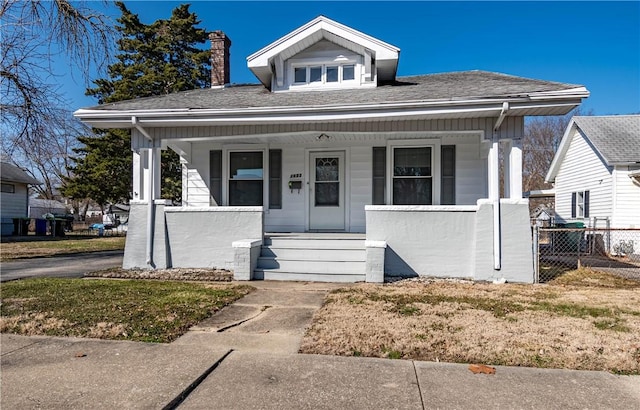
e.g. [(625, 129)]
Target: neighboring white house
[(596, 171), (14, 195), (362, 174)]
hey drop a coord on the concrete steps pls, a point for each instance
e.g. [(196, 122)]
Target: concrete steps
[(330, 258)]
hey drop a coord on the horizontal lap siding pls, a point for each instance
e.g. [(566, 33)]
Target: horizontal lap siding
[(361, 185), (626, 212), (471, 170), (512, 127), (292, 215), (14, 205), (471, 167), (582, 170)]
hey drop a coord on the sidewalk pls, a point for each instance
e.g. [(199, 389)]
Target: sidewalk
[(252, 364)]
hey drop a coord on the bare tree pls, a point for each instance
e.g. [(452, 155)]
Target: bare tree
[(542, 137), (38, 131)]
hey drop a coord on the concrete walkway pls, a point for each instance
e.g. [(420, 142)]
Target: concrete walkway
[(245, 358)]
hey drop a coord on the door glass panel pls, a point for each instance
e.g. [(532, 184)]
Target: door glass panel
[(327, 185)]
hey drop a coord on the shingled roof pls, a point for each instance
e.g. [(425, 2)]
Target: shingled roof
[(12, 173), (463, 85), (616, 137)]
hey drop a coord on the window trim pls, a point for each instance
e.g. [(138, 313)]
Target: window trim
[(228, 177), (339, 62), (580, 204), (434, 144)]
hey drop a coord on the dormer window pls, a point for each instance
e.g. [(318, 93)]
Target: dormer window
[(330, 74)]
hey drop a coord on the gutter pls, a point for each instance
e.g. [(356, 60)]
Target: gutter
[(330, 112), (150, 191), (497, 223)]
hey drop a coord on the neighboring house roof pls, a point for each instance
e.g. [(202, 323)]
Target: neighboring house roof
[(46, 204), (484, 91), (615, 138), (384, 54), (12, 173), (543, 209)]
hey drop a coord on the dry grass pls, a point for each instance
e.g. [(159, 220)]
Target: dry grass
[(583, 320)]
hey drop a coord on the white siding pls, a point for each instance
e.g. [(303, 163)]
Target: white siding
[(583, 170), (14, 205), (356, 139), (471, 170), (626, 204), (512, 127), (291, 218), (361, 174)]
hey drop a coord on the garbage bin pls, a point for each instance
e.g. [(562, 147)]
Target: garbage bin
[(58, 227), (574, 238), (41, 227)]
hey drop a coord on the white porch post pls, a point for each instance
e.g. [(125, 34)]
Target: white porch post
[(514, 164), (137, 192), (493, 167)]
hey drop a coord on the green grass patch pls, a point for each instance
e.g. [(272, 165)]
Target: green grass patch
[(59, 246), (158, 311)]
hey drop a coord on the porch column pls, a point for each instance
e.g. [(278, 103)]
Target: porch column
[(513, 167), (137, 192), (493, 167), (146, 174)]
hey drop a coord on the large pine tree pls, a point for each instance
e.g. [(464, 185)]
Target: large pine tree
[(154, 59)]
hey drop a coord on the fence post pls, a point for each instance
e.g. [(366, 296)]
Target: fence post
[(536, 254), (578, 250)]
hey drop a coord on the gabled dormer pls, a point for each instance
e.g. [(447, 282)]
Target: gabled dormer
[(324, 55)]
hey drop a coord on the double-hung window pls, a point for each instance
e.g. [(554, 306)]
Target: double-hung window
[(580, 204), (412, 176)]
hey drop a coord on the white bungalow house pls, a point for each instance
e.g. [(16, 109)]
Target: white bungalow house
[(14, 198), (596, 171), (335, 169)]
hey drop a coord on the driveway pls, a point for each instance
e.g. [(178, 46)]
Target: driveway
[(70, 266)]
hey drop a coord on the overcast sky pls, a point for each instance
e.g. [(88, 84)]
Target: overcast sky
[(595, 44)]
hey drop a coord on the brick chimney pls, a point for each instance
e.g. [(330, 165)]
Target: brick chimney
[(220, 44)]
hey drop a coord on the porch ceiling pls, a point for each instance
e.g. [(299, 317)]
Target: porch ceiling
[(329, 138)]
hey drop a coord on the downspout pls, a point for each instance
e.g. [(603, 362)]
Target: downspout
[(150, 192), (497, 226)]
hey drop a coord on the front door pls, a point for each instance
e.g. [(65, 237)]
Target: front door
[(326, 191)]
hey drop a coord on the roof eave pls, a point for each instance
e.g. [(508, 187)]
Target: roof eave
[(266, 115)]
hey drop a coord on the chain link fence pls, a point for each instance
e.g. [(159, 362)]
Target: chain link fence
[(557, 250)]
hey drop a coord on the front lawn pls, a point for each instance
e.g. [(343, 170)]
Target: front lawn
[(147, 311), (33, 248), (583, 320)]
